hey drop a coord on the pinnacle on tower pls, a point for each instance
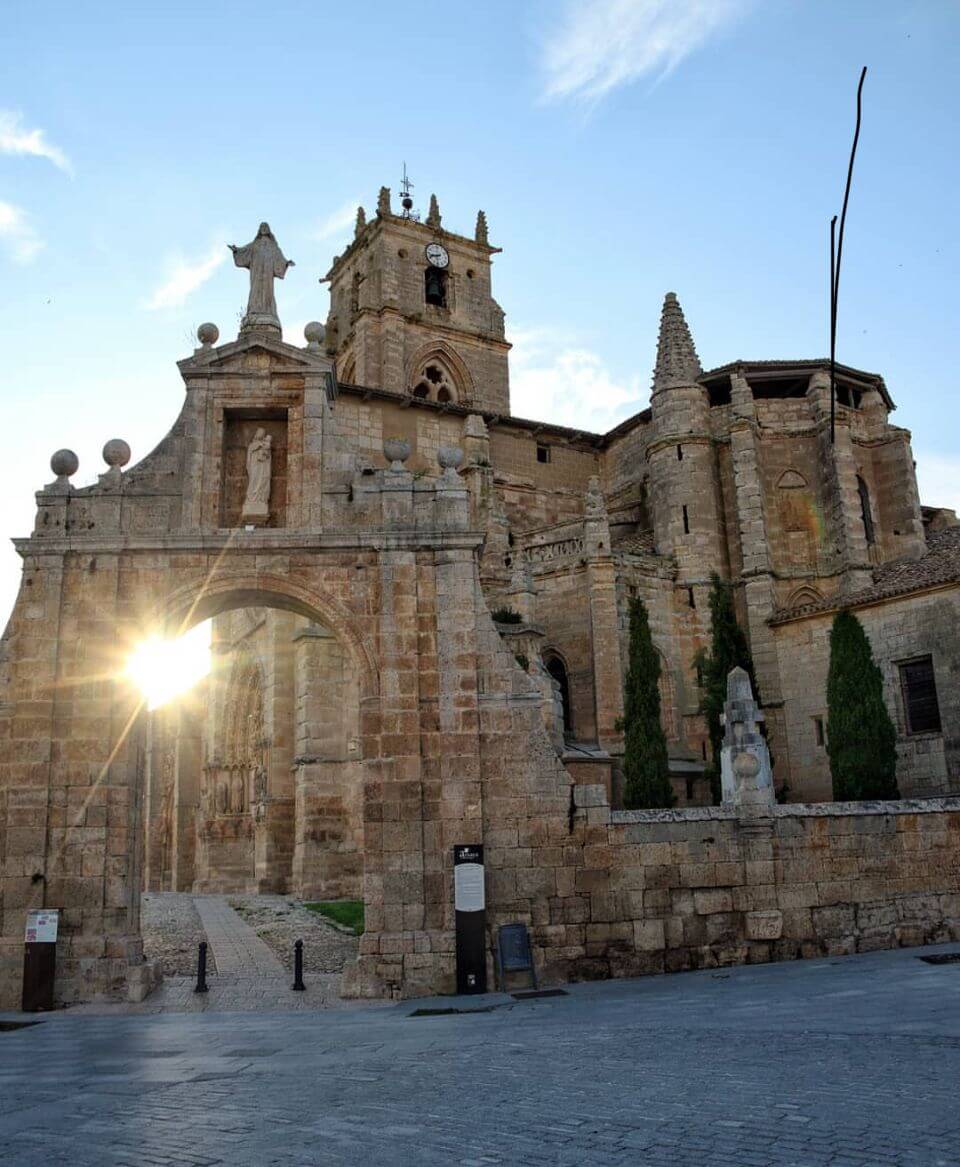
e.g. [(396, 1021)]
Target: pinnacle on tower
[(677, 360), (433, 218), (383, 201), (361, 222), (481, 232)]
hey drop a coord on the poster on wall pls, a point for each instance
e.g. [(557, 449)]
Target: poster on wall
[(42, 926)]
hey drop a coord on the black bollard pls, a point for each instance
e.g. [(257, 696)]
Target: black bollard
[(298, 984), (202, 968)]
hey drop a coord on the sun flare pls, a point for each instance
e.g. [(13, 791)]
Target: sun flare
[(163, 669)]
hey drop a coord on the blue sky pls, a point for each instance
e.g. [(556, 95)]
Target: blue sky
[(621, 149)]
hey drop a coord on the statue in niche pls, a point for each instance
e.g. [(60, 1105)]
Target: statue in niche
[(236, 792), (223, 797), (256, 504), (266, 263)]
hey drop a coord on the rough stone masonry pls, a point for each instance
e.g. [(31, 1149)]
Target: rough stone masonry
[(352, 513)]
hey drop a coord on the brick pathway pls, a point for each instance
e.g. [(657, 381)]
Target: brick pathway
[(237, 949), (248, 979), (849, 1062)]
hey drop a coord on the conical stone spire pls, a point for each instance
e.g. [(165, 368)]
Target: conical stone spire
[(677, 360)]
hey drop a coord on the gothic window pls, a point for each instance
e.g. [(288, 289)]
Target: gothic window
[(435, 287), (918, 684), (558, 670), (435, 383), (865, 512)]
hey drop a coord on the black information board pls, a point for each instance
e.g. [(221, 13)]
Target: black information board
[(514, 953), (469, 900)]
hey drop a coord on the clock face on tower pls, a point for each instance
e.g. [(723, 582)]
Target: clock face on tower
[(437, 255)]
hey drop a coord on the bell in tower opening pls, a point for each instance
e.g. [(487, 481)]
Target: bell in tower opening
[(435, 287)]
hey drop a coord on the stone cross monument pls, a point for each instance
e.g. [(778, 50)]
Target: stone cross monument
[(266, 262), (745, 774)]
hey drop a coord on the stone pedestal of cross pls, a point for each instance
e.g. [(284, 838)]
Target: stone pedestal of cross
[(745, 773)]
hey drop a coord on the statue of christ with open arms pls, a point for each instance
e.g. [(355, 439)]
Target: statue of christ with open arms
[(266, 263)]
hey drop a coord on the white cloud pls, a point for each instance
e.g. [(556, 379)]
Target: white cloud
[(337, 223), (15, 138), (185, 276), (17, 233), (556, 381), (598, 46), (938, 476)]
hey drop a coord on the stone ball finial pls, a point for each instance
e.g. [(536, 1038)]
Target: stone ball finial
[(208, 334), (116, 453), (64, 463), (314, 333), (449, 457), (396, 451)]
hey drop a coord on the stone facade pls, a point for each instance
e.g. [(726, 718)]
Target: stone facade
[(366, 710)]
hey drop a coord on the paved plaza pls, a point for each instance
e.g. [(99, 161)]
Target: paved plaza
[(842, 1061)]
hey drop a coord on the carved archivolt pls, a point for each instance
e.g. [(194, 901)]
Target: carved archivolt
[(237, 777)]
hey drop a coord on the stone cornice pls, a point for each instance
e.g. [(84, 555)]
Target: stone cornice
[(242, 542)]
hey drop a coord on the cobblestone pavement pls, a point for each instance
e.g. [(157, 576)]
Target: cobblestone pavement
[(172, 931), (244, 974), (281, 920), (237, 949), (852, 1061)]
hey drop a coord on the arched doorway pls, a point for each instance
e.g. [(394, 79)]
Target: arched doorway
[(266, 758)]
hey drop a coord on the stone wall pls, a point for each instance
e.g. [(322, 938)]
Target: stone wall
[(633, 892), (927, 763)]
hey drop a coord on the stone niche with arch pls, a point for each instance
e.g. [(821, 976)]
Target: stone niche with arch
[(797, 515)]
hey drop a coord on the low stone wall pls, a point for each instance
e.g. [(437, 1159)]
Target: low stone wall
[(669, 890)]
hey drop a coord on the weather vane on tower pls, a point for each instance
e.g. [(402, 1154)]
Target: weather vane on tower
[(406, 201)]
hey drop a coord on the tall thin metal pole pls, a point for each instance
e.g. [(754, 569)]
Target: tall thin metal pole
[(835, 266), (833, 327)]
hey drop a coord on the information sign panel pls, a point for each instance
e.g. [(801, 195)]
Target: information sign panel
[(469, 901)]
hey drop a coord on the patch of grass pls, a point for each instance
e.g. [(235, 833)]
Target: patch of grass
[(349, 913)]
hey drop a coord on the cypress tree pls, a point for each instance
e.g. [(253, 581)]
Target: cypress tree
[(645, 767), (861, 739), (728, 649)]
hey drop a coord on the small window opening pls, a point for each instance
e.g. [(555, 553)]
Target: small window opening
[(691, 599), (443, 394), (558, 670), (543, 453), (703, 750), (679, 453), (921, 707), (699, 676), (686, 521), (819, 731), (422, 390), (865, 512), (435, 287), (432, 373), (689, 788)]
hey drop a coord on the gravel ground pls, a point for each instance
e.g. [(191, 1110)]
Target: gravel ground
[(281, 920), (172, 931)]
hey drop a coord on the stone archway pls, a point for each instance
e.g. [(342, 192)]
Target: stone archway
[(449, 729)]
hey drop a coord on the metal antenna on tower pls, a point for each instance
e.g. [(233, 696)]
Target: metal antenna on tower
[(406, 186)]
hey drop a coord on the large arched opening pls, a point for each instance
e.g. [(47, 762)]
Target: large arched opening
[(253, 781)]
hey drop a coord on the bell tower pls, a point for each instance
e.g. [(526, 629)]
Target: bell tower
[(412, 313)]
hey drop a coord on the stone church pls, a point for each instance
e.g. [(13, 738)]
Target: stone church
[(419, 622)]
